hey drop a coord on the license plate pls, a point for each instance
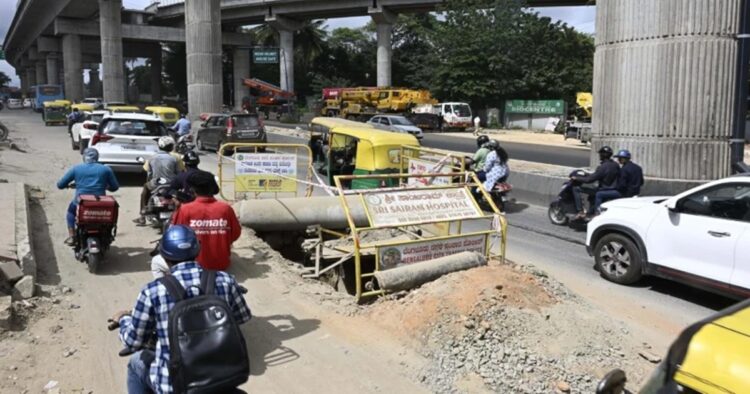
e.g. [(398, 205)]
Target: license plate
[(131, 147), (165, 215)]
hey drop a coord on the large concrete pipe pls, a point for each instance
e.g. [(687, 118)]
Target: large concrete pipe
[(411, 276), (291, 214)]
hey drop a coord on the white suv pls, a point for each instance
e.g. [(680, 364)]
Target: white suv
[(126, 141), (700, 237)]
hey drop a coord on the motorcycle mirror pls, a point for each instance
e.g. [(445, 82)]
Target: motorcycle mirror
[(612, 383)]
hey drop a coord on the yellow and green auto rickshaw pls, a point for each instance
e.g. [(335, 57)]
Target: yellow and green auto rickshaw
[(55, 112), (83, 107), (122, 108), (344, 147), (168, 115), (710, 356)]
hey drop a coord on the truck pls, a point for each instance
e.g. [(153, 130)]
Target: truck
[(578, 126), (268, 98), (451, 115), (362, 103)]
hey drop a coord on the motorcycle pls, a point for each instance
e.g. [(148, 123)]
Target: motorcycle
[(160, 206), (499, 196), (95, 228), (563, 209), (184, 144)]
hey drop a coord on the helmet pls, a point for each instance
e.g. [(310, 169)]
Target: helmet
[(166, 142), (90, 155), (191, 159), (481, 140), (605, 151), (623, 153), (493, 144), (179, 243)]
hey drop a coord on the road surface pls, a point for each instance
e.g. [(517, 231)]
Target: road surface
[(577, 158)]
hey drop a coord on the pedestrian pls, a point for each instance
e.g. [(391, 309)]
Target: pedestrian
[(477, 123), (214, 222), (150, 370)]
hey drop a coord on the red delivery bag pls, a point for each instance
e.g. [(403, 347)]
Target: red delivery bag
[(97, 209)]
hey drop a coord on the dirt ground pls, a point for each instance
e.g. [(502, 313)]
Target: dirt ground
[(466, 332)]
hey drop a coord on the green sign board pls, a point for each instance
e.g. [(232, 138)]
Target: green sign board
[(542, 107), (266, 55)]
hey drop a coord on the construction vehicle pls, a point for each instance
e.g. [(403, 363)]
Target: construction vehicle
[(268, 98), (578, 126), (584, 106), (362, 103)]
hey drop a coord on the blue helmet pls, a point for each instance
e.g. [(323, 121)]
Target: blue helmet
[(179, 243), (624, 153)]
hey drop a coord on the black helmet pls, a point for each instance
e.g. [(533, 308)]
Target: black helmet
[(191, 159), (481, 140), (606, 151), (493, 145)]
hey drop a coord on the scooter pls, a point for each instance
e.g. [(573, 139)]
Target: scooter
[(95, 228), (160, 206), (563, 209), (184, 144), (499, 196)]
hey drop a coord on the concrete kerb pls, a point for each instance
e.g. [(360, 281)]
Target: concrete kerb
[(24, 244)]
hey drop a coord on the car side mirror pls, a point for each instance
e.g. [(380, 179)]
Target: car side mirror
[(672, 205), (612, 383), (203, 124)]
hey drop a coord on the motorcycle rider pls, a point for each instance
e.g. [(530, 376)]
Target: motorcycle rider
[(606, 174), (90, 177), (628, 183), (183, 192), (496, 165), (162, 167), (477, 161), (182, 127), (75, 117), (148, 370)]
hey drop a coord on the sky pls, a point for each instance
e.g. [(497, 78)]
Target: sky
[(581, 18)]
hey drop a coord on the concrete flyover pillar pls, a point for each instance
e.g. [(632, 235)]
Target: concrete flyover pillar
[(73, 66), (664, 74), (241, 64), (95, 84), (53, 68), (286, 28), (31, 76), (24, 81), (110, 29), (203, 47), (384, 20), (156, 68), (40, 68)]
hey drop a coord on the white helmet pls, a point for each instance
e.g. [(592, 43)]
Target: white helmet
[(166, 142)]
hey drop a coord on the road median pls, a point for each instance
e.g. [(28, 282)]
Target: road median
[(18, 275)]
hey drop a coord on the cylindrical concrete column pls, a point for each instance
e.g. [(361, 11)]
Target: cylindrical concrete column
[(241, 64), (53, 69), (110, 29), (71, 49), (156, 66), (664, 74), (40, 68), (286, 64), (24, 81), (385, 53), (203, 47), (95, 85)]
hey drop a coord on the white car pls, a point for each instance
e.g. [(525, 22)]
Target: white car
[(700, 237), (15, 104), (95, 101), (125, 141), (396, 123), (81, 132), (27, 103)]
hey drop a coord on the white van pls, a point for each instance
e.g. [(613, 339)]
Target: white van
[(455, 116)]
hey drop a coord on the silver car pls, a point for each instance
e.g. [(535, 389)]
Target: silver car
[(396, 123), (126, 141)]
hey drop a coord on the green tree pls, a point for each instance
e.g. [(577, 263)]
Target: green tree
[(4, 79)]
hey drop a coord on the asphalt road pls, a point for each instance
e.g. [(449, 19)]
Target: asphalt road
[(536, 153)]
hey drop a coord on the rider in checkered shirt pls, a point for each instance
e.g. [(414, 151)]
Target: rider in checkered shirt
[(148, 370)]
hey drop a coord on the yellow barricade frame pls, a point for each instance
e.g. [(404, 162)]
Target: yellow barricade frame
[(498, 225), (256, 146)]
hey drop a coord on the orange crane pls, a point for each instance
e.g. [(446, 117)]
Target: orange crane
[(268, 97)]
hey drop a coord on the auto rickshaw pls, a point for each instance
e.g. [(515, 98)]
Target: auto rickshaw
[(123, 108), (710, 356), (83, 107), (168, 115), (55, 112), (344, 147)]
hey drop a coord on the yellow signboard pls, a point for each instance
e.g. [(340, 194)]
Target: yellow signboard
[(265, 172)]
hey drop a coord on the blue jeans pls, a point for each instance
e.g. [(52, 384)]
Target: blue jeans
[(70, 217), (603, 196), (139, 381)]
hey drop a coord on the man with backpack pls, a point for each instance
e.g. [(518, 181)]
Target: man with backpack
[(205, 306)]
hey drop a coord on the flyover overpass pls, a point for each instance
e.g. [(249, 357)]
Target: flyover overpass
[(666, 75)]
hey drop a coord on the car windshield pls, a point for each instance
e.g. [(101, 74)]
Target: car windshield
[(401, 121), (462, 110), (245, 121), (96, 118), (134, 127)]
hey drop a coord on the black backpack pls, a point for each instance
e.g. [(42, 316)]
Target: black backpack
[(206, 347)]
